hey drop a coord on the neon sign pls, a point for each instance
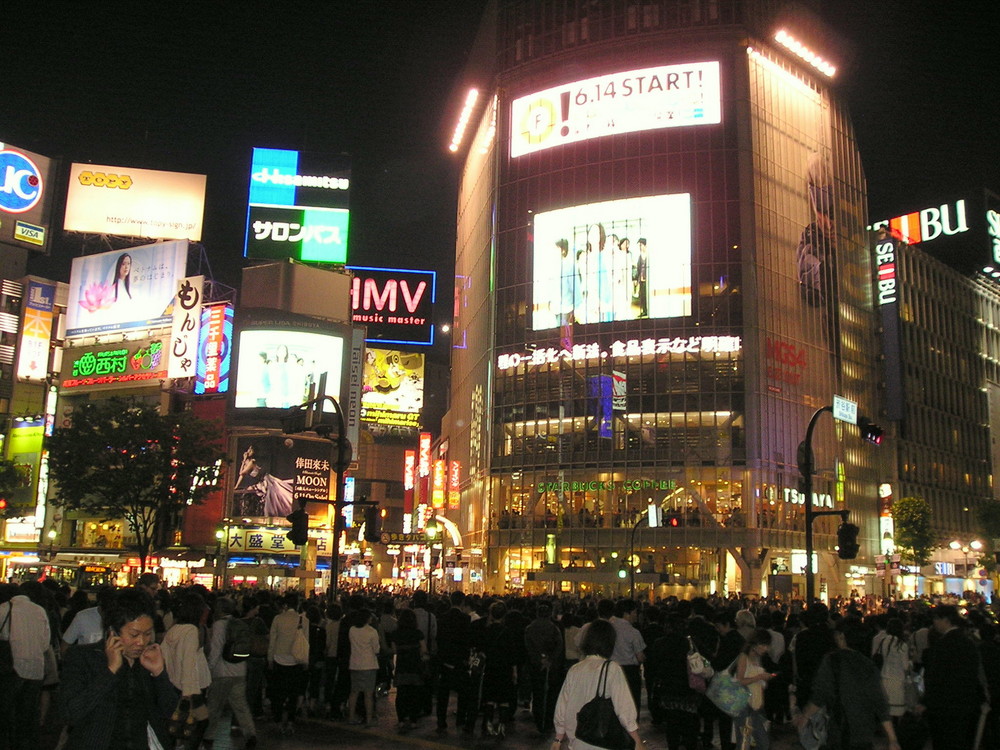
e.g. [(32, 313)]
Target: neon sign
[(629, 348)]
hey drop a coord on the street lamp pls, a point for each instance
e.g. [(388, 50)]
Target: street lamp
[(974, 546), (52, 540)]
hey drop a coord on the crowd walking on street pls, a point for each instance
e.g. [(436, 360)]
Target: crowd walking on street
[(144, 667)]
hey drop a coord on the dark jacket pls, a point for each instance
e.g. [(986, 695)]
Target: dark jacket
[(88, 697), (952, 670), (849, 686), (543, 638), (454, 637)]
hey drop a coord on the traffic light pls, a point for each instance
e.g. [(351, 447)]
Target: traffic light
[(622, 571), (373, 524), (673, 520), (299, 533), (870, 431), (847, 541)]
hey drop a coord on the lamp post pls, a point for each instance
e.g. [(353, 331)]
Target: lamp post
[(974, 546), (432, 530)]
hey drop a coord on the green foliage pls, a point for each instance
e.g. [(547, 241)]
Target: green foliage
[(915, 539), (988, 515), (123, 459), (10, 479)]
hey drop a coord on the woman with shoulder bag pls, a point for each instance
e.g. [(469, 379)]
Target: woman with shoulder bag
[(584, 682), (751, 674), (287, 669), (184, 657)]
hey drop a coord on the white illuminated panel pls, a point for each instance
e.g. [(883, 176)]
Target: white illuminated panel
[(666, 96), (629, 348)]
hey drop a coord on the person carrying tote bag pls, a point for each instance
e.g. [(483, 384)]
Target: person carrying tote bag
[(184, 657), (594, 676)]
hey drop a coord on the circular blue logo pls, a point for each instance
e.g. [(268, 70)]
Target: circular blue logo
[(20, 183)]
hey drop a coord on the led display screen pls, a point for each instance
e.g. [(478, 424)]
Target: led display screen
[(276, 367), (126, 363), (618, 260), (135, 202), (393, 388), (298, 206), (124, 289), (666, 96), (25, 198)]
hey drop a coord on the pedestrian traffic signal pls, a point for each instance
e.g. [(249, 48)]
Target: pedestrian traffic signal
[(299, 533), (373, 524), (847, 541), (622, 571), (870, 431)]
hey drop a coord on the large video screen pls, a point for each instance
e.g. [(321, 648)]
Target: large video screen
[(125, 289), (618, 260), (276, 368)]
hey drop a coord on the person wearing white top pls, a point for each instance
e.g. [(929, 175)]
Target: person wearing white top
[(26, 626), (363, 665), (580, 687)]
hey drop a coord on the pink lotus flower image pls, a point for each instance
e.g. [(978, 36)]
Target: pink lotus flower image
[(96, 297)]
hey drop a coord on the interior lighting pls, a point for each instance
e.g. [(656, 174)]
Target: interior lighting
[(463, 119), (797, 48)]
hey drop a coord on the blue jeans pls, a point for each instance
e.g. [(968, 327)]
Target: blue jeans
[(756, 722)]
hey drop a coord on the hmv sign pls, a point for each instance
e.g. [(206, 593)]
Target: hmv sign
[(396, 305)]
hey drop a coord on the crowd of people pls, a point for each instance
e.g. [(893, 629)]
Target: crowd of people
[(147, 667)]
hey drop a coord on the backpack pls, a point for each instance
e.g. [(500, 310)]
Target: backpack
[(237, 646)]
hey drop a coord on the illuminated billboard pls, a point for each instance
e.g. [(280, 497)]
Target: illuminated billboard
[(617, 260), (275, 472), (25, 198), (125, 289), (133, 202), (665, 96), (215, 344), (118, 365), (393, 389), (298, 206), (281, 358), (36, 331), (24, 450), (394, 304)]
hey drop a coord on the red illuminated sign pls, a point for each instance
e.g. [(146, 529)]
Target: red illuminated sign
[(437, 489), (409, 469), (425, 454)]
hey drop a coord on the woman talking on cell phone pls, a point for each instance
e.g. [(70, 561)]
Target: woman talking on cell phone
[(116, 692)]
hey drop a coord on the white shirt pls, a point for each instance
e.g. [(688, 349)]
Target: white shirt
[(85, 628), (628, 641), (364, 648), (28, 633), (580, 686)]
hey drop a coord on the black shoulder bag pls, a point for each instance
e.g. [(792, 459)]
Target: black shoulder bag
[(597, 723)]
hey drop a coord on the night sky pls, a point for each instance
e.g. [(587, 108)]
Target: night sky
[(193, 86)]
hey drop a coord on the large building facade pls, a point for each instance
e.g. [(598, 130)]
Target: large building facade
[(661, 274)]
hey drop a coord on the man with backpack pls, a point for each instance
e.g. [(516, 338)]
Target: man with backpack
[(227, 657)]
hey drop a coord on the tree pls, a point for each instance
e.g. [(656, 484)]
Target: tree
[(123, 459), (988, 515), (914, 536)]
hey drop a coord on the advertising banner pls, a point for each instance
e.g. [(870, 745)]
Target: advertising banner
[(264, 540), (617, 260), (24, 450), (276, 472), (36, 332), (25, 198), (298, 206), (280, 362), (135, 202), (215, 345), (395, 305), (115, 365), (125, 289), (186, 327), (393, 388), (666, 96)]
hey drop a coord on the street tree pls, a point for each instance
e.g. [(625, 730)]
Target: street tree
[(10, 479), (122, 459), (915, 539), (988, 515)]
